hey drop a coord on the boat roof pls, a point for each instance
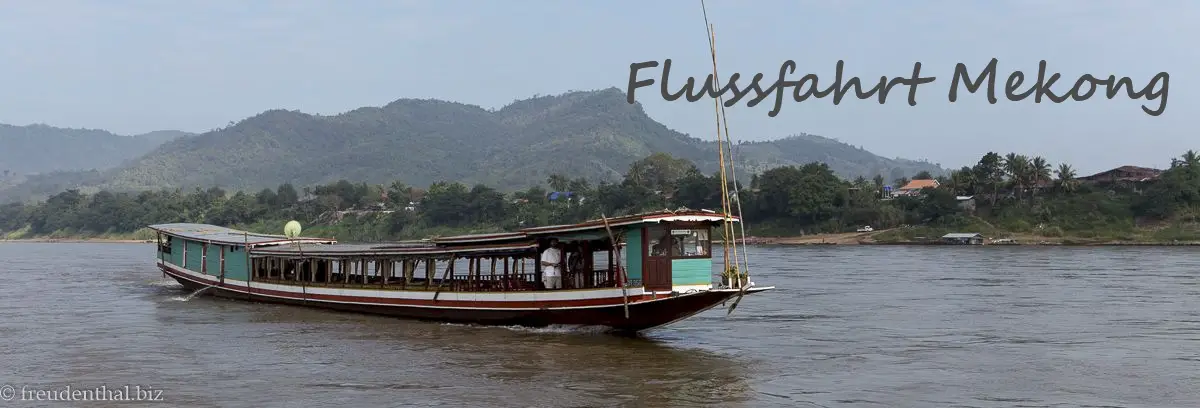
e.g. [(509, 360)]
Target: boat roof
[(319, 250), (596, 226), (213, 233), (487, 243)]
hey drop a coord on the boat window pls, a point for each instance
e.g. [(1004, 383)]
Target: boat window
[(679, 242), (165, 247), (689, 243), (658, 241)]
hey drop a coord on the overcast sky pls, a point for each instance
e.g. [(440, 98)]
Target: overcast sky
[(137, 66)]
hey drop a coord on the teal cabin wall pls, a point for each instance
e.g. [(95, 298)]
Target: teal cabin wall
[(214, 260), (633, 253), (696, 271), (235, 263), (176, 252), (194, 252)]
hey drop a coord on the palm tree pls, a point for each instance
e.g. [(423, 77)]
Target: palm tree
[(1190, 159), (1066, 178), (1016, 166), (1190, 164), (1039, 171), (963, 181)]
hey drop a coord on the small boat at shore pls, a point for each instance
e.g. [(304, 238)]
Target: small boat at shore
[(660, 272)]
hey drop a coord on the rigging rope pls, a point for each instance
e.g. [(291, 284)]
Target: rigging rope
[(728, 230)]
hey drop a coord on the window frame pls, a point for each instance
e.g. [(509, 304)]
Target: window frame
[(668, 226)]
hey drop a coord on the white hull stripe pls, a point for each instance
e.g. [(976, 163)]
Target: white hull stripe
[(608, 297)]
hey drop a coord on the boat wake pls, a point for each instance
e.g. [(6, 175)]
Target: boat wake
[(164, 284), (552, 329), (191, 295)]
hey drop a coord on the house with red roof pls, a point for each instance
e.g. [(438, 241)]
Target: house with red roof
[(914, 187)]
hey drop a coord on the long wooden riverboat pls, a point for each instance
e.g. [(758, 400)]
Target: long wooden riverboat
[(661, 272)]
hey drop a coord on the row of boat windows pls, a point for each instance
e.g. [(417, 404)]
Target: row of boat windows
[(165, 247), (479, 274)]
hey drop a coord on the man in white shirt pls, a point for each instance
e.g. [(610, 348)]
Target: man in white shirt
[(551, 266)]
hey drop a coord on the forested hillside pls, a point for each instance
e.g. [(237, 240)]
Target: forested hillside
[(1013, 194), (594, 135)]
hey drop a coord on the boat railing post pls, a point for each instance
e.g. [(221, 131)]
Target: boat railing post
[(492, 275), (386, 263), (505, 281), (430, 271)]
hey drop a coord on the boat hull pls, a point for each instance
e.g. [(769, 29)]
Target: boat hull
[(645, 311)]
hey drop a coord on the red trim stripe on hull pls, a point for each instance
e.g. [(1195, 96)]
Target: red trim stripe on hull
[(644, 314)]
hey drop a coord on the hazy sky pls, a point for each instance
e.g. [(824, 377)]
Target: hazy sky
[(137, 66)]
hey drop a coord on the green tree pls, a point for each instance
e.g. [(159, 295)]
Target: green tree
[(989, 173), (1066, 178), (445, 203), (659, 172)]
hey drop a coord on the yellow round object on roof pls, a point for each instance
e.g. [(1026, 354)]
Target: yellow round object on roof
[(292, 229)]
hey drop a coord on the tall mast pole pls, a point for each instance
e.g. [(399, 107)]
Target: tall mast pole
[(725, 213)]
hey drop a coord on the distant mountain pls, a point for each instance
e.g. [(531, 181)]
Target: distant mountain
[(39, 148), (593, 134), (844, 159)]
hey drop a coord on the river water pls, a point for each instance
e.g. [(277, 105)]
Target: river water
[(848, 326)]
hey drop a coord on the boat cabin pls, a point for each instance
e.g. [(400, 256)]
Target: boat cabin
[(661, 252)]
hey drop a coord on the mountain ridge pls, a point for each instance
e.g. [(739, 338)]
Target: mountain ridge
[(41, 148), (592, 134)]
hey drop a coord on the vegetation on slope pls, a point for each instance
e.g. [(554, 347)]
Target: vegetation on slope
[(596, 135), (781, 201)]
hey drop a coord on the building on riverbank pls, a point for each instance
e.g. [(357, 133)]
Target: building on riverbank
[(963, 238), (914, 187)]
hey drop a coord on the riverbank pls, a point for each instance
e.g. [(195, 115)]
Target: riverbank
[(77, 240), (894, 236), (898, 237)]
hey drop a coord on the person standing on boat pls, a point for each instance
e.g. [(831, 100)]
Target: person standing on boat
[(552, 265)]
